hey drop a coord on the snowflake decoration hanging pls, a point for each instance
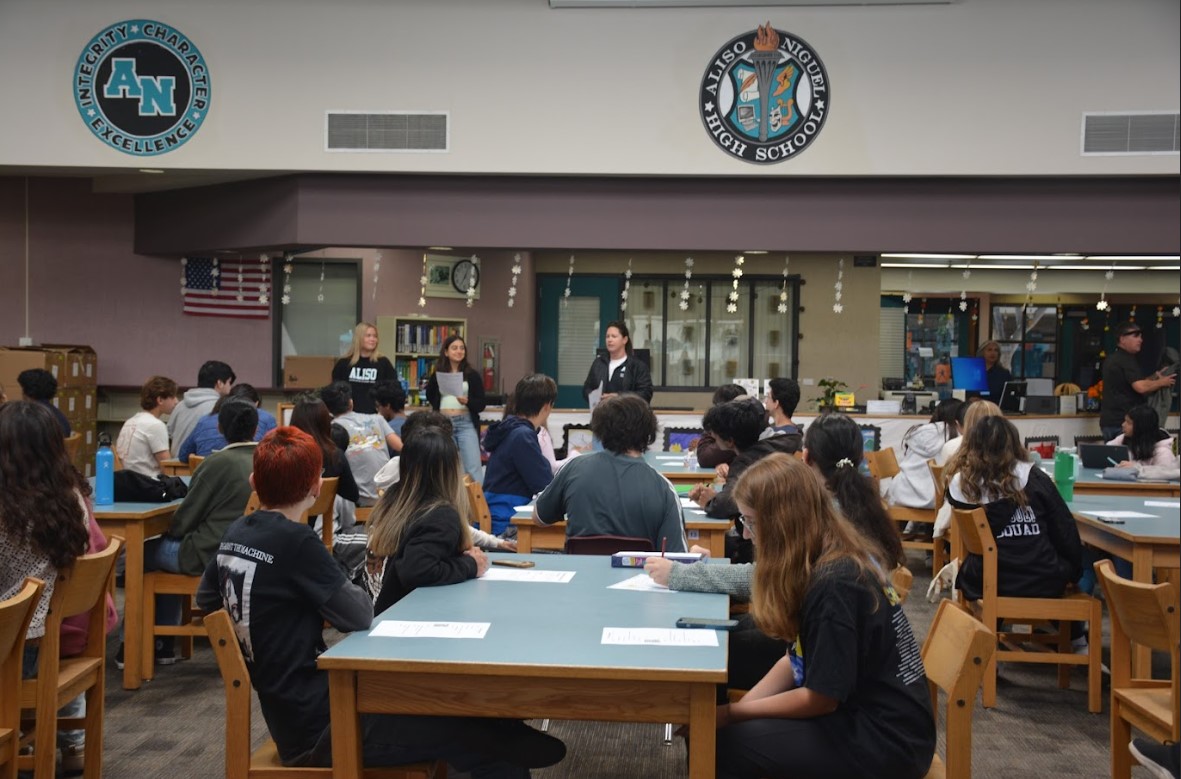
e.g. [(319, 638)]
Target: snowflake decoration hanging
[(422, 284), (782, 307), (685, 294), (471, 283), (376, 273), (288, 268), (732, 308), (837, 308), (1176, 310), (838, 287), (627, 283), (569, 279)]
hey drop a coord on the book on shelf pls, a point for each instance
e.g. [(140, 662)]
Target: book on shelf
[(416, 338)]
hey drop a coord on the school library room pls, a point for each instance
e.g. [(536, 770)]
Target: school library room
[(801, 403)]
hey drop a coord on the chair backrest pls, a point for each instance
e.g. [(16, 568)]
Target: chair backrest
[(973, 535), (117, 460), (606, 545), (323, 508), (1144, 614), (82, 589), (940, 487), (194, 461), (883, 463), (15, 615), (236, 679), (955, 655), (480, 513), (901, 579), (73, 443), (253, 504)]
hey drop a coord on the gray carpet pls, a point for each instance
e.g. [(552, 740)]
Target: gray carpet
[(173, 727)]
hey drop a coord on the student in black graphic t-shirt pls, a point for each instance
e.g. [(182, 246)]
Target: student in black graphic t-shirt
[(279, 584), (363, 367), (850, 699)]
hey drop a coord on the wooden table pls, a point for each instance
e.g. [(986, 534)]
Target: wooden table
[(1147, 543), (699, 529), (546, 660), (135, 522)]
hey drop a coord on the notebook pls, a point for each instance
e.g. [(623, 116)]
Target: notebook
[(1096, 455)]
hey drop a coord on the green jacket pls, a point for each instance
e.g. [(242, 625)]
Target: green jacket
[(218, 493)]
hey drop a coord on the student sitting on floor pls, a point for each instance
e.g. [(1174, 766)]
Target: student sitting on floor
[(850, 699), (279, 584), (517, 470), (615, 492)]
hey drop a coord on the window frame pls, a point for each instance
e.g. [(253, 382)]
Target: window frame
[(277, 279)]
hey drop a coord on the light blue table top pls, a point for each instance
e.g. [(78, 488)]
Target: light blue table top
[(671, 462), (1165, 522), (1095, 476), (549, 627)]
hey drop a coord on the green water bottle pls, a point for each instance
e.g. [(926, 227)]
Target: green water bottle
[(1064, 474)]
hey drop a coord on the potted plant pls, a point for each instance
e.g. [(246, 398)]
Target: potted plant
[(830, 387)]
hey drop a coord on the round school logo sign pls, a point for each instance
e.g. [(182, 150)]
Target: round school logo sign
[(142, 87), (764, 96)]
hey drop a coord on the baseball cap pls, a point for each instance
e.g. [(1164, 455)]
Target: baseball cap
[(1128, 328)]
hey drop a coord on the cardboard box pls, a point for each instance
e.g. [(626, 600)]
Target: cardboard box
[(80, 365), (307, 372)]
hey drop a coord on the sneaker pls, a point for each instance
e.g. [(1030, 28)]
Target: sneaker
[(119, 658), (165, 653), (1161, 760), (73, 759), (1079, 645), (512, 741)]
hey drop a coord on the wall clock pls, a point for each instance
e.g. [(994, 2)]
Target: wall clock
[(465, 274)]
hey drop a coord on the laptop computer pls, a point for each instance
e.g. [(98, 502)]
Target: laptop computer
[(1102, 455), (1011, 397)]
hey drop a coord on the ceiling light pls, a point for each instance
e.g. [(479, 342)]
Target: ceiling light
[(150, 170), (995, 267), (754, 251), (914, 265), (1162, 267), (1091, 267), (931, 256), (439, 248), (1030, 257), (1118, 257)]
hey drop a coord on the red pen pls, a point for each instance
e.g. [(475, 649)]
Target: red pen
[(663, 544)]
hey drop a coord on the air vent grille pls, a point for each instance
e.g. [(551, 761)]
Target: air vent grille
[(1141, 133), (385, 132)]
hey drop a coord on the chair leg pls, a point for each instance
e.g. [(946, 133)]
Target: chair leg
[(988, 697), (544, 726), (185, 644), (148, 642), (1064, 648), (668, 734), (1094, 659), (1121, 734), (92, 765)]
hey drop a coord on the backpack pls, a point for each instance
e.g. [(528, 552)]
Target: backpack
[(132, 487)]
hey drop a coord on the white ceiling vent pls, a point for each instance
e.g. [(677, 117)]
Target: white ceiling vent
[(1147, 132), (355, 131)]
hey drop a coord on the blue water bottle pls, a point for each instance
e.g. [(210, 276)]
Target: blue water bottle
[(104, 472)]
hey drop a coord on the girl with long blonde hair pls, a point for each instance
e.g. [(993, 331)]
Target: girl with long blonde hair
[(419, 526), (850, 698), (362, 367)]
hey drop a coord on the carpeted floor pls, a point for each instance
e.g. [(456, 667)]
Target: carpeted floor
[(173, 727)]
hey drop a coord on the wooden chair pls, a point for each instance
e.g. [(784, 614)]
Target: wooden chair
[(1030, 614), (607, 545), (73, 444), (118, 461), (481, 515), (194, 461), (901, 579), (81, 589), (324, 507), (924, 517), (363, 514), (957, 651), (883, 464), (1088, 439), (264, 762), (1144, 614), (15, 615)]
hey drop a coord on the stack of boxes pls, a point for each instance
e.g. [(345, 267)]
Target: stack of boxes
[(76, 371)]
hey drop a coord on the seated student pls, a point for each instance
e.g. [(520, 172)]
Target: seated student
[(390, 399), (969, 414), (1147, 443), (218, 493), (850, 698), (913, 486), (738, 425), (517, 470), (615, 492), (1038, 548), (143, 440), (370, 439), (278, 582), (709, 454), (206, 438), (783, 395), (213, 381), (39, 386), (387, 478)]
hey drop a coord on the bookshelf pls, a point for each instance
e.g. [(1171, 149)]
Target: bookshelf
[(415, 342)]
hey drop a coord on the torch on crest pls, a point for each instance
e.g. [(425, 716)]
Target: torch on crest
[(765, 59)]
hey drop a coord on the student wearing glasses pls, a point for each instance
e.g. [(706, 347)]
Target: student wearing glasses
[(1124, 383)]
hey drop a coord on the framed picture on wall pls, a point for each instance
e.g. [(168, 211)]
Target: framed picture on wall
[(450, 277)]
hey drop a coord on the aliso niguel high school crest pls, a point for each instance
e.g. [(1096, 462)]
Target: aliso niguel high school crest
[(765, 96), (142, 87)]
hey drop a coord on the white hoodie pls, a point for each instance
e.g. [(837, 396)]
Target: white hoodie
[(198, 402)]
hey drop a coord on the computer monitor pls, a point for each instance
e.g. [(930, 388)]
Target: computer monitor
[(1011, 397), (969, 374)]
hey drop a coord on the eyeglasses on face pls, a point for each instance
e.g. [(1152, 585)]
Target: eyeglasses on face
[(747, 522)]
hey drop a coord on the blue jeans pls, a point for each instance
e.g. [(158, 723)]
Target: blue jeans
[(468, 441), (163, 554)]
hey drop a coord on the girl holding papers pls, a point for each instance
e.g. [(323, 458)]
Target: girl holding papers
[(456, 390)]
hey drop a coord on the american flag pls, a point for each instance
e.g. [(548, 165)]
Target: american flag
[(234, 291)]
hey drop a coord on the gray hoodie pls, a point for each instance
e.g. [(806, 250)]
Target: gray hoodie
[(198, 402)]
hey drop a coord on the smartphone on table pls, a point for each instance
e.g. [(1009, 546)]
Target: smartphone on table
[(707, 623)]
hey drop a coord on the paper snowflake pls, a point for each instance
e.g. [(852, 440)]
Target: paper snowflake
[(685, 294), (906, 298), (627, 274), (512, 292), (736, 273), (285, 299), (516, 270), (623, 306), (782, 308), (1109, 275), (732, 308), (967, 274), (422, 302), (688, 274), (1176, 310), (623, 294), (264, 299), (288, 268), (963, 305), (510, 302), (837, 308)]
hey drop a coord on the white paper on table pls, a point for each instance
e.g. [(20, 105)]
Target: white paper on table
[(671, 457), (450, 383), (595, 396), (641, 582), (689, 503), (495, 574), (1165, 504), (697, 511), (527, 508), (660, 636), (1118, 514), (394, 628)]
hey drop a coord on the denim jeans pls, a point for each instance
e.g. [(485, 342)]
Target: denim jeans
[(468, 441)]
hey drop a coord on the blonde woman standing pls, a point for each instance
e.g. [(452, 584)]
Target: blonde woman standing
[(362, 367)]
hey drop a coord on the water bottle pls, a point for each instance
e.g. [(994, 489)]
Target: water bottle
[(1064, 475), (104, 472)]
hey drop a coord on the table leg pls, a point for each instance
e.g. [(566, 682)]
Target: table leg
[(133, 606), (346, 725), (702, 731), (524, 539), (1141, 572), (717, 544)]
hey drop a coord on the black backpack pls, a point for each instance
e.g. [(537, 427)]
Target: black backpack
[(132, 487)]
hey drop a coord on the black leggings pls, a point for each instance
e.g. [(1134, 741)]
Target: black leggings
[(782, 749)]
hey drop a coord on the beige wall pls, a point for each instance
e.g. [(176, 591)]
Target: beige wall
[(982, 87)]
